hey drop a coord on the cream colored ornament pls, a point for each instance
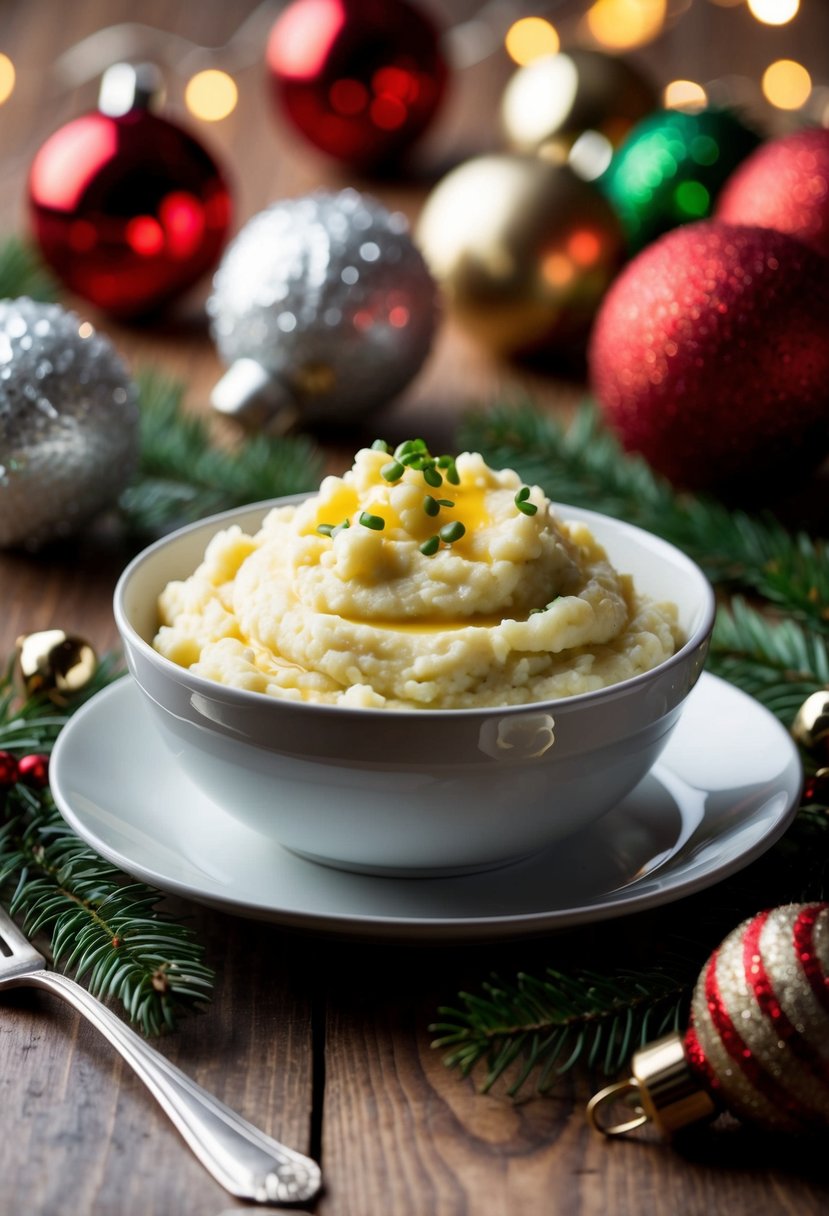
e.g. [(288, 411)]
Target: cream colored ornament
[(556, 99)]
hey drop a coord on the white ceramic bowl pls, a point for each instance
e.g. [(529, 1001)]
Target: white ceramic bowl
[(419, 792)]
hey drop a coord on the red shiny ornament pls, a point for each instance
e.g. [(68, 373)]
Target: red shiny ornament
[(129, 211), (709, 356), (33, 770), (9, 771), (360, 79), (784, 184)]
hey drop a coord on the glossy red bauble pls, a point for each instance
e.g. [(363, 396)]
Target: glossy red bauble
[(360, 79), (33, 770), (709, 356), (783, 185), (9, 770), (128, 211)]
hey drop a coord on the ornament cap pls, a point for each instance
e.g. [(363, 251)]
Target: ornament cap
[(251, 395), (130, 86), (667, 1092)]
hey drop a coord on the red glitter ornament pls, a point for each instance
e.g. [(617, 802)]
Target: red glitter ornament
[(33, 770), (129, 210), (9, 771), (709, 356), (784, 184), (361, 79)]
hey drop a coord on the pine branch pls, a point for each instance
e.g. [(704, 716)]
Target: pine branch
[(543, 1026), (584, 465), (184, 475), (780, 663), (105, 927), (22, 273)]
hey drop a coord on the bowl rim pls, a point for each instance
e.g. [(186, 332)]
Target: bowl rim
[(245, 697)]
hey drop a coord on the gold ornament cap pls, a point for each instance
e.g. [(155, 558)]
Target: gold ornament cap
[(811, 724), (54, 663), (663, 1087)]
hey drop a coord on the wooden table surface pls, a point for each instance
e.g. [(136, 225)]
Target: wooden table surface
[(323, 1043)]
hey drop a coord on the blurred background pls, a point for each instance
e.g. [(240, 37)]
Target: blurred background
[(563, 84)]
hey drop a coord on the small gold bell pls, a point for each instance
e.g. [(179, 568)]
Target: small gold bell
[(663, 1088), (811, 725), (55, 664)]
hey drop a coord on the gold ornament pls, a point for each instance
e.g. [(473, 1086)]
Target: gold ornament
[(524, 250), (811, 725), (556, 99), (55, 664)]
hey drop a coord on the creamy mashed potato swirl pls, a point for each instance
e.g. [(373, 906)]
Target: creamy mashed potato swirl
[(385, 589)]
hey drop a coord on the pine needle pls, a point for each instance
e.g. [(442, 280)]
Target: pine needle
[(184, 475), (102, 925), (22, 273)]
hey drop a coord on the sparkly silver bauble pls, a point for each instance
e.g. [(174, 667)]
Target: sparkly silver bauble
[(68, 422), (323, 308)]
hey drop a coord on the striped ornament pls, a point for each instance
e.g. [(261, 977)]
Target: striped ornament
[(759, 1034)]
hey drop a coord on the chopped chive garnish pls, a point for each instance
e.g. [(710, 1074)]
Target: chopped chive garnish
[(380, 445), (392, 471), (431, 505), (431, 476), (410, 445), (333, 529), (449, 533), (430, 546), (527, 508), (375, 522), (446, 502)]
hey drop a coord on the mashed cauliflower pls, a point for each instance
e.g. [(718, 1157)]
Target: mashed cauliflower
[(413, 582)]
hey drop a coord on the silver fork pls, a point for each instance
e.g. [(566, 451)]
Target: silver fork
[(243, 1159)]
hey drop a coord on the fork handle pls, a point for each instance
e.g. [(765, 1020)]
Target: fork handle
[(243, 1159)]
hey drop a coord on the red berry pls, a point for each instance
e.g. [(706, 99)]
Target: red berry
[(33, 770), (9, 771)]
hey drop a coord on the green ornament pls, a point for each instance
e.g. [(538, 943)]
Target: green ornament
[(670, 169)]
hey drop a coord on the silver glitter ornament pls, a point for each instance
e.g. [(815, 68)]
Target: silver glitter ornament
[(323, 308), (68, 422)]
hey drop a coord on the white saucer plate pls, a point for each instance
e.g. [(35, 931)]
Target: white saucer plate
[(725, 789)]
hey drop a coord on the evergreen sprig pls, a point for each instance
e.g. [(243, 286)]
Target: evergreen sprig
[(542, 1025), (185, 475), (103, 926), (584, 465), (22, 273)]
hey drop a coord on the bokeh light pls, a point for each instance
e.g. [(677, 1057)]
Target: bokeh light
[(684, 95), (530, 38), (773, 12), (622, 24), (7, 78), (211, 95), (786, 84)]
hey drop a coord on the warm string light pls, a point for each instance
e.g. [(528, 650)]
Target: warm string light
[(7, 78), (786, 84), (531, 38), (211, 95), (773, 12), (684, 95), (624, 24)]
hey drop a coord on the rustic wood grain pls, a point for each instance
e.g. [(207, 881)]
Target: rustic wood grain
[(324, 1044)]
